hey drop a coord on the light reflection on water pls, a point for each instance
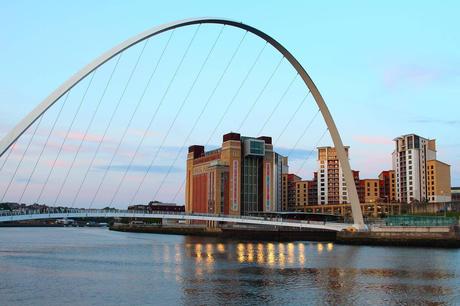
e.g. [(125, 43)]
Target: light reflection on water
[(276, 255), (101, 267)]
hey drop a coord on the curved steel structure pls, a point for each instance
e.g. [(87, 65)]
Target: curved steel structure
[(319, 225), (25, 123)]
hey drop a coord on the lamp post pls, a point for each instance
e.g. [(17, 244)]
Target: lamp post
[(442, 200)]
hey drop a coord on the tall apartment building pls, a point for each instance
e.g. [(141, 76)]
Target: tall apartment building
[(242, 177), (410, 162), (332, 188), (387, 181)]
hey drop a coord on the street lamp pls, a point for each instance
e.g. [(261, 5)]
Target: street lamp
[(442, 200)]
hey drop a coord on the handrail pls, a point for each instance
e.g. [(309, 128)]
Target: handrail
[(123, 213)]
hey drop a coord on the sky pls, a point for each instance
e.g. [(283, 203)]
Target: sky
[(384, 69)]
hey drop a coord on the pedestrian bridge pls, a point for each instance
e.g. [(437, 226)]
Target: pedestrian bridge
[(96, 213)]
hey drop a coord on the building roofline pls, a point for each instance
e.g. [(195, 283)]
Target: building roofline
[(438, 162), (411, 134)]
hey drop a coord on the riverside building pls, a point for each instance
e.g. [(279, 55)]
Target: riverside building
[(242, 177), (331, 186), (387, 182), (419, 176), (370, 190)]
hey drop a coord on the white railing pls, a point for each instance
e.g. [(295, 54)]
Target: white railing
[(82, 213)]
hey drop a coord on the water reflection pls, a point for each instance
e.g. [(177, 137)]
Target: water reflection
[(274, 255), (134, 269), (264, 265), (301, 252), (260, 253), (320, 248)]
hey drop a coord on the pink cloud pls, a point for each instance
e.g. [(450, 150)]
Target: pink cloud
[(373, 140), (76, 135), (370, 164), (140, 133), (58, 163)]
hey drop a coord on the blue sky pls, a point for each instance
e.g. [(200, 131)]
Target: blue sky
[(384, 69)]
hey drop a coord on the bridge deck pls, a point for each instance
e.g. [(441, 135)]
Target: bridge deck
[(22, 216)]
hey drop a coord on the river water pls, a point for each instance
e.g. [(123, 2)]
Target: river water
[(95, 266)]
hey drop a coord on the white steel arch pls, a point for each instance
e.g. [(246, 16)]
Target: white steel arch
[(28, 120)]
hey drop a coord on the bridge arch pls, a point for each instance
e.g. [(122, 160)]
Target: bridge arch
[(28, 120)]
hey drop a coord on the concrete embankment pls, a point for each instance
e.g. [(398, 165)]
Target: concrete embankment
[(234, 232), (196, 230), (422, 236), (434, 236)]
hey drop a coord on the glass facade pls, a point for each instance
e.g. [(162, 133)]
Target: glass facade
[(254, 147), (250, 184), (257, 148)]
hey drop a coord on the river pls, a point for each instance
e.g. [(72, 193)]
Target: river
[(95, 266)]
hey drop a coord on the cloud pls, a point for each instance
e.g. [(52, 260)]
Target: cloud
[(438, 121), (373, 140), (140, 168), (76, 135), (415, 75), (296, 153), (140, 133), (370, 163)]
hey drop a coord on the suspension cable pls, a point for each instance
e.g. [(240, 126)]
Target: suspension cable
[(278, 104), (88, 127), (260, 93), (161, 101), (303, 133), (7, 157), (180, 108), (232, 100), (140, 99), (236, 93), (22, 157), (200, 115), (79, 145), (104, 135), (131, 118), (292, 116), (66, 136), (149, 125), (34, 168), (170, 126), (311, 152)]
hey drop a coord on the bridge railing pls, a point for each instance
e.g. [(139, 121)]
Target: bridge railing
[(137, 213)]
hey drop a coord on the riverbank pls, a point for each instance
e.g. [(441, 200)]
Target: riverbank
[(438, 236), (234, 232), (417, 236), (195, 230)]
